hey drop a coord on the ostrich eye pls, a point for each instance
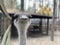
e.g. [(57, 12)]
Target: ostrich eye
[(16, 16), (29, 16)]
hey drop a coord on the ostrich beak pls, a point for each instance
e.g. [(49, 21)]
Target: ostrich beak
[(23, 17)]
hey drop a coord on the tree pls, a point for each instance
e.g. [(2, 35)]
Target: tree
[(7, 3), (16, 5), (12, 4)]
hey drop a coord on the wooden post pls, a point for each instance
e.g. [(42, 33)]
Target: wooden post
[(53, 22), (22, 5), (12, 4), (47, 26), (3, 9), (40, 25)]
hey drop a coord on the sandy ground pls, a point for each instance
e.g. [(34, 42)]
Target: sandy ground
[(42, 40)]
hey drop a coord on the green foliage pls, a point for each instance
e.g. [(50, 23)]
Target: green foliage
[(30, 9), (7, 3), (16, 5)]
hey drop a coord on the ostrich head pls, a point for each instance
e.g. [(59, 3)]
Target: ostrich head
[(22, 23), (22, 20)]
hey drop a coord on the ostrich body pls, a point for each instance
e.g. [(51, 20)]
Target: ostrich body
[(22, 23)]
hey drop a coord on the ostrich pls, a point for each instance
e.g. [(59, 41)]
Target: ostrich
[(22, 23)]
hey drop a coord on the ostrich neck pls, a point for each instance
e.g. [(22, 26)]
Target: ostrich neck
[(22, 29), (22, 36)]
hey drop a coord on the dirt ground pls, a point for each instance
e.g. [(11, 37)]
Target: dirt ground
[(42, 40)]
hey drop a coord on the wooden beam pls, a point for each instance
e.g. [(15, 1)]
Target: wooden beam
[(3, 9)]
